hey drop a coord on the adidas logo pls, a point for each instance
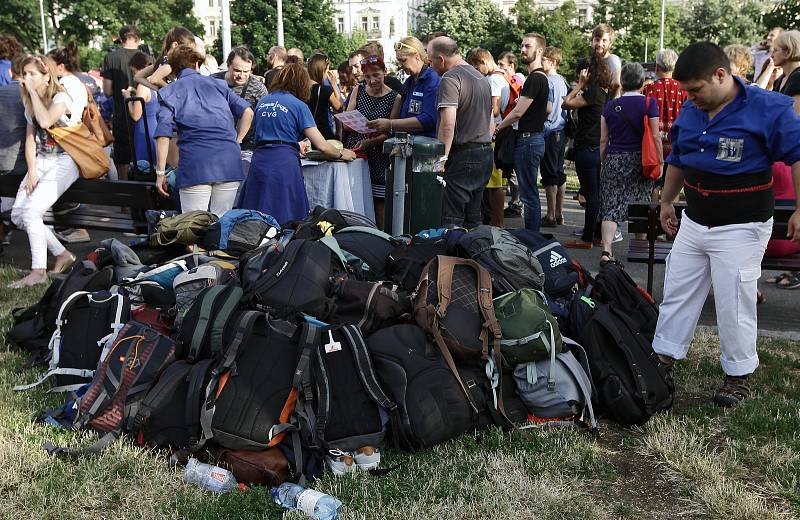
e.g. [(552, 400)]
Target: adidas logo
[(556, 259)]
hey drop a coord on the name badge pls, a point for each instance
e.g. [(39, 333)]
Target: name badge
[(415, 106), (730, 149)]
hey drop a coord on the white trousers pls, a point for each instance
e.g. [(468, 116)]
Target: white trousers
[(56, 173), (216, 198), (729, 259)]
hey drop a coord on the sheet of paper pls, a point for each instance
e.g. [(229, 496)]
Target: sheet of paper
[(354, 120)]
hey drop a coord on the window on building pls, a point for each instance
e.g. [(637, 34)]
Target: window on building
[(583, 16), (376, 21), (210, 3), (364, 23), (391, 27), (340, 24), (212, 27)]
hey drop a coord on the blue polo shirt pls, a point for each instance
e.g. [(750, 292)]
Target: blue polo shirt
[(202, 110), (281, 117), (755, 130), (420, 100)]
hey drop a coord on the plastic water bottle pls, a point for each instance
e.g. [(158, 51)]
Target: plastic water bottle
[(316, 505), (212, 478)]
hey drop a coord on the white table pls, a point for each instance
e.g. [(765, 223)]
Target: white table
[(340, 185)]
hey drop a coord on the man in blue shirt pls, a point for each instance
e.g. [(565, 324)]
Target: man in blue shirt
[(723, 145)]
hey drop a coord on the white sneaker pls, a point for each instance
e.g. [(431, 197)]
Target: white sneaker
[(367, 458), (617, 237), (340, 462)]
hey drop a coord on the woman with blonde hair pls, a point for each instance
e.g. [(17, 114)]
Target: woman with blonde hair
[(741, 60), (50, 169), (786, 54), (418, 113), (275, 183)]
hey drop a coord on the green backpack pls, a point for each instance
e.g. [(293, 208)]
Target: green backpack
[(186, 228), (530, 332)]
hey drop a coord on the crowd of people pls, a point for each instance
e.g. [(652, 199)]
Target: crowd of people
[(501, 126)]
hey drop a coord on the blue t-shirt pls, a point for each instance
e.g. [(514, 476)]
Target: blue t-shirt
[(753, 131), (5, 72), (420, 100), (281, 117), (625, 131), (557, 118)]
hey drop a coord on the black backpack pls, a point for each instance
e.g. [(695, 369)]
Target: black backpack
[(614, 286), (292, 278), (560, 276), (405, 263), (169, 415), (369, 245), (631, 384), (87, 325), (370, 305), (33, 327), (431, 405), (510, 262), (323, 221)]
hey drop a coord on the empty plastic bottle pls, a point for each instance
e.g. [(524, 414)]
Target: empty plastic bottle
[(316, 505), (212, 478)]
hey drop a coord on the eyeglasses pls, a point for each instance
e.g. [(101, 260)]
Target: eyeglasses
[(400, 45), (371, 59)]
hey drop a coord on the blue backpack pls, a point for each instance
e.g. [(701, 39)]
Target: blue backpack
[(241, 230), (560, 275)]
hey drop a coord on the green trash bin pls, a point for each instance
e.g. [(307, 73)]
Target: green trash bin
[(413, 188)]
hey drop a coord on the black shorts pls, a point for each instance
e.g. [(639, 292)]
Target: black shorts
[(122, 140), (551, 166)]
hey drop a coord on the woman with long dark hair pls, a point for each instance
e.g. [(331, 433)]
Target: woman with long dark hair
[(589, 97)]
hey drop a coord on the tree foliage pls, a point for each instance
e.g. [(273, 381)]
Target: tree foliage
[(559, 27), (724, 21), (786, 14), (308, 25), (472, 23), (637, 24), (20, 18)]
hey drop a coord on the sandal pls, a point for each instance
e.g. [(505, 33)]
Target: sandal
[(778, 278), (733, 391), (608, 258), (792, 282)]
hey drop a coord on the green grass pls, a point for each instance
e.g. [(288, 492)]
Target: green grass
[(696, 462)]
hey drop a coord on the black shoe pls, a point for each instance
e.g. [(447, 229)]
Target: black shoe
[(548, 222), (64, 208), (512, 211)]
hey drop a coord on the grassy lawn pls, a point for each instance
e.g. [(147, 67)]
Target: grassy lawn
[(696, 462)]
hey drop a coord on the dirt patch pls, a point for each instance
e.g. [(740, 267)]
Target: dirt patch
[(641, 489)]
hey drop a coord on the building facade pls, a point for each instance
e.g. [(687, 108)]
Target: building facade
[(585, 7), (384, 21), (209, 12)]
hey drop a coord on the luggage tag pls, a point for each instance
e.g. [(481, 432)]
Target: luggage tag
[(332, 346)]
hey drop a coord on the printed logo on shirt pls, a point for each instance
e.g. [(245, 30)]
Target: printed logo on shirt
[(556, 259), (730, 149)]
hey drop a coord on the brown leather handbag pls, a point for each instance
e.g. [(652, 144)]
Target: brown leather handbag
[(84, 148), (260, 468)]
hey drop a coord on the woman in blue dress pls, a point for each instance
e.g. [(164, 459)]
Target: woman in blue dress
[(202, 110), (275, 183), (143, 139)]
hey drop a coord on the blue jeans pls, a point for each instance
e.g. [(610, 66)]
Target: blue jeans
[(466, 174), (587, 165), (528, 153)]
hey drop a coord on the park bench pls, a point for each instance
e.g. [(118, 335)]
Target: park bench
[(643, 218), (101, 202)]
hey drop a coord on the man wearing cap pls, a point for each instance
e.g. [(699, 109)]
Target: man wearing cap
[(724, 142), (465, 127)]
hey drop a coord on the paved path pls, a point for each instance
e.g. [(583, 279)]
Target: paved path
[(779, 315)]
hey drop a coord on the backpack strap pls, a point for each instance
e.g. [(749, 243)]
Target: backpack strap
[(194, 398), (333, 245), (232, 298), (368, 230), (588, 391)]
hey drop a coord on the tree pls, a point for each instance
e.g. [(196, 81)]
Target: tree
[(724, 21), (472, 23), (785, 14), (637, 24), (559, 27), (20, 18), (308, 24)]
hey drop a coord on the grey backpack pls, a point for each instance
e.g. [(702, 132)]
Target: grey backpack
[(558, 390)]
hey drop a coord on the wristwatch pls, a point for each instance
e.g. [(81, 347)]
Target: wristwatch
[(161, 173)]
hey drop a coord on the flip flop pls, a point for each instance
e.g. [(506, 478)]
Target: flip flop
[(792, 282), (609, 258)]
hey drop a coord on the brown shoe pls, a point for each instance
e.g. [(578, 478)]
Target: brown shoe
[(734, 390), (577, 244)]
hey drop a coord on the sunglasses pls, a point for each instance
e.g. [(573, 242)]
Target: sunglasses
[(400, 45)]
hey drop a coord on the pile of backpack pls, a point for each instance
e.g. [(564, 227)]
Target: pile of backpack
[(281, 348)]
